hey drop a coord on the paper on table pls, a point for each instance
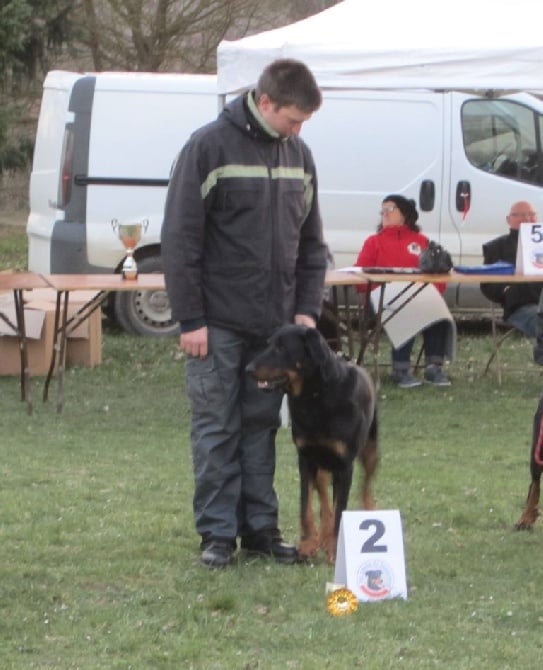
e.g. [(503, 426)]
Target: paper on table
[(351, 268), (426, 308)]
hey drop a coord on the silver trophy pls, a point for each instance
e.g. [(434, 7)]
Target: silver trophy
[(130, 235)]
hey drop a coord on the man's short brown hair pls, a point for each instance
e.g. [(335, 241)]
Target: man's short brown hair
[(290, 82)]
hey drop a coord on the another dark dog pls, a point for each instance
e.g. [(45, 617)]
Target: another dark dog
[(531, 510), (333, 412)]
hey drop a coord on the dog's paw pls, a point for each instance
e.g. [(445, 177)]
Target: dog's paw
[(308, 548), (527, 520), (329, 545)]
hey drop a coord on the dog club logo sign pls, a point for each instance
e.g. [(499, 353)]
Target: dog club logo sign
[(375, 580), (370, 557)]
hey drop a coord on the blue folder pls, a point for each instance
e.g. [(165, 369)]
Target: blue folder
[(499, 268)]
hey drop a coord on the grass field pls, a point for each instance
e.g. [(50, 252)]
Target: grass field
[(12, 241), (99, 559)]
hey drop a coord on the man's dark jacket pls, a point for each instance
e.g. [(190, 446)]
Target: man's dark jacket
[(510, 296), (242, 239)]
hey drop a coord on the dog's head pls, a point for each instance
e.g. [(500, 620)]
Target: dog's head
[(294, 354)]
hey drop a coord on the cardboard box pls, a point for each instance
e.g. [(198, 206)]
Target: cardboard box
[(85, 350), (84, 344), (39, 326)]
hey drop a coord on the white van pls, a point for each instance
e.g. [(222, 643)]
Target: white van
[(106, 143)]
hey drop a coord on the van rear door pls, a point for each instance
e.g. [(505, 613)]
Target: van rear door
[(52, 143), (140, 122)]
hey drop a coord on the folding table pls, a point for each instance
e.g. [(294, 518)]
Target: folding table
[(19, 282), (102, 284)]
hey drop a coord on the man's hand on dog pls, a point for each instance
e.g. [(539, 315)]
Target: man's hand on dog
[(304, 320), (194, 343)]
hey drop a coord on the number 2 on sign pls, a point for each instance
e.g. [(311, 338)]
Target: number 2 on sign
[(370, 546)]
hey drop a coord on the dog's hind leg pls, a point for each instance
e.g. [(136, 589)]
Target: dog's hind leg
[(369, 458), (341, 484), (531, 510)]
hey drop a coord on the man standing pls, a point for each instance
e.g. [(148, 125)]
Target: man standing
[(243, 254), (519, 301)]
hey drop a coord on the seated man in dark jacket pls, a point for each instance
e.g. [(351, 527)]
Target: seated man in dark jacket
[(519, 301)]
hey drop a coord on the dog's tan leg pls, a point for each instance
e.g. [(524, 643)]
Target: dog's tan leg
[(531, 511), (369, 459), (327, 537), (309, 542)]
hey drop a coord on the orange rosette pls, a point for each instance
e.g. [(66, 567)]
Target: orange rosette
[(341, 602)]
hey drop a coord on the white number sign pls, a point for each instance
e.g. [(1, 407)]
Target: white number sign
[(530, 249), (370, 557)]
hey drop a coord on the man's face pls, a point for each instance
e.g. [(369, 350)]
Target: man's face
[(284, 120), (521, 212)]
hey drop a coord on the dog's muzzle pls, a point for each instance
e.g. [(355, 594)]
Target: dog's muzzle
[(265, 380), (272, 384)]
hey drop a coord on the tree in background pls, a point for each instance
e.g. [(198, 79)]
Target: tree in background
[(140, 35), (30, 32), (165, 35)]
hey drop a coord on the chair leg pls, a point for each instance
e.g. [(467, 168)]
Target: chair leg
[(497, 343), (419, 357)]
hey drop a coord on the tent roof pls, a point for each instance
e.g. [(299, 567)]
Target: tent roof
[(466, 44)]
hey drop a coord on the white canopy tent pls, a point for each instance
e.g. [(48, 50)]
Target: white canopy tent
[(475, 45)]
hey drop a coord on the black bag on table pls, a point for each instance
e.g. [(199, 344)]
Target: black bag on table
[(435, 260)]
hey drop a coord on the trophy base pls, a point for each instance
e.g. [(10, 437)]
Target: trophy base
[(129, 269), (130, 274)]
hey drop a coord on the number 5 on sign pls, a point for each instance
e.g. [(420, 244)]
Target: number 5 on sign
[(529, 259), (370, 557)]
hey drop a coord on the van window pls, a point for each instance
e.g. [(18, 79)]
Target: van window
[(504, 138)]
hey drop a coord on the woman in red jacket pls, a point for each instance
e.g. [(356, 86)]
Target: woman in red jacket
[(399, 243)]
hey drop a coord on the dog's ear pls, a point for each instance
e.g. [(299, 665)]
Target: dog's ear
[(318, 349)]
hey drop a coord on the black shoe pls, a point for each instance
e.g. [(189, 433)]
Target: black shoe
[(217, 554), (270, 544), (434, 375)]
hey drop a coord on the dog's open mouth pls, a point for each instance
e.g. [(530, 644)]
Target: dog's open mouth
[(272, 383)]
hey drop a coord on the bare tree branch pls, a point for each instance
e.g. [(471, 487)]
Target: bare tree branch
[(158, 35)]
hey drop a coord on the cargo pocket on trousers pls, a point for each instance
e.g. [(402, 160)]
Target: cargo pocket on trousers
[(205, 386)]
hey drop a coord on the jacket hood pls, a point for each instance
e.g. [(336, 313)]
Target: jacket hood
[(243, 114)]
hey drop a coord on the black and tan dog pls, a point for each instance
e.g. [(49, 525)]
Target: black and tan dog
[(531, 510), (332, 406)]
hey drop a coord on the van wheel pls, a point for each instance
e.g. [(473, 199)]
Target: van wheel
[(145, 313)]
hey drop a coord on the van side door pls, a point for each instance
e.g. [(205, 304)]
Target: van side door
[(368, 144)]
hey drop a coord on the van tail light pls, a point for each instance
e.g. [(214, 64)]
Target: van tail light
[(66, 169)]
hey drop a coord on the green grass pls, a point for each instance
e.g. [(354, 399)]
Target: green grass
[(13, 244), (99, 558)]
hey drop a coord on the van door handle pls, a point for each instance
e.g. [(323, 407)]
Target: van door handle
[(427, 195), (463, 197)]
